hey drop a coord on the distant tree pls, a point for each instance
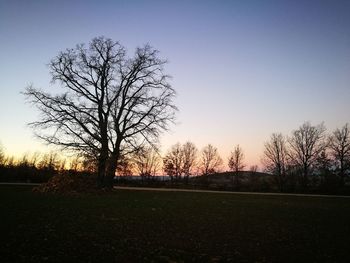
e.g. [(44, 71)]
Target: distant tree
[(24, 162), (75, 163), (189, 155), (62, 165), (324, 163), (147, 161), (2, 155), (339, 144), (327, 181), (306, 144), (235, 161), (210, 159), (9, 161), (126, 166), (275, 158), (89, 164), (3, 174), (34, 160), (173, 162), (253, 168), (110, 106), (49, 162)]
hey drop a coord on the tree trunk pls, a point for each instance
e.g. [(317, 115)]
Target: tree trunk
[(112, 165), (342, 177), (342, 173), (279, 174), (101, 170), (110, 171), (236, 179), (305, 177)]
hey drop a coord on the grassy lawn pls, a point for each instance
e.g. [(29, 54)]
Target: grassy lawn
[(137, 226)]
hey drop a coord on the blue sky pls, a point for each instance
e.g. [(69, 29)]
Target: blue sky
[(242, 69)]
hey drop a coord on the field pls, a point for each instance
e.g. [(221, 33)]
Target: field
[(146, 226)]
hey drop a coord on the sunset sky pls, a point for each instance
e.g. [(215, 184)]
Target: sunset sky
[(241, 69)]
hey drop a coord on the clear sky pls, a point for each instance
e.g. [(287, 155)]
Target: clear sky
[(242, 69)]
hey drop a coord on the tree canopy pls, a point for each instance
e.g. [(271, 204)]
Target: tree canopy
[(110, 104)]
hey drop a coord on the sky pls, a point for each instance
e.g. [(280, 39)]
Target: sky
[(241, 69)]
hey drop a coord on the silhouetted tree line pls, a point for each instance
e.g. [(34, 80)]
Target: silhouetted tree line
[(39, 168), (308, 160)]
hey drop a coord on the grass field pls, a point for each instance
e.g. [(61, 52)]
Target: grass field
[(140, 226)]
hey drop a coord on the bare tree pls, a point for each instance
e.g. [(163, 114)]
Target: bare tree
[(49, 161), (147, 161), (235, 163), (35, 157), (9, 161), (236, 158), (62, 165), (75, 163), (126, 166), (110, 105), (2, 155), (254, 168), (275, 157), (173, 161), (306, 144), (211, 160), (189, 154), (324, 163), (340, 149)]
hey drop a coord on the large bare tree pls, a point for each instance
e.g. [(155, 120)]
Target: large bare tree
[(340, 149), (275, 158), (306, 144), (110, 104)]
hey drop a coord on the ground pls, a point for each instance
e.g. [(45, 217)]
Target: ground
[(146, 226)]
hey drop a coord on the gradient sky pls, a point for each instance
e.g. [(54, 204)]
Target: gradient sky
[(242, 69)]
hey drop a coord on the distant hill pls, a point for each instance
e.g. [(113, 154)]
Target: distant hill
[(243, 180), (226, 176)]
